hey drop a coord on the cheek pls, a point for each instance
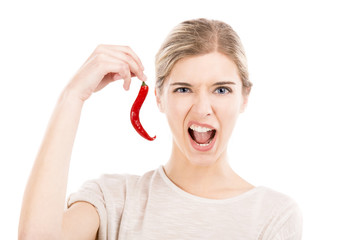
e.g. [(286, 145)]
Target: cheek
[(227, 115), (176, 111)]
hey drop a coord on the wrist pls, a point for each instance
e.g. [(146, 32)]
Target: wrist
[(68, 95)]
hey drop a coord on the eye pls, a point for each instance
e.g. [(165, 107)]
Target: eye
[(223, 90), (182, 90)]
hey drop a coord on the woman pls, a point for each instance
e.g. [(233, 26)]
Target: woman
[(202, 86)]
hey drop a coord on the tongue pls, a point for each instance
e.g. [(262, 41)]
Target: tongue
[(202, 137)]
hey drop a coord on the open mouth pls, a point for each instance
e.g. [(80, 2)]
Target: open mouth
[(201, 136)]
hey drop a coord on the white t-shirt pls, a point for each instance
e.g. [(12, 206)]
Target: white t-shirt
[(151, 206)]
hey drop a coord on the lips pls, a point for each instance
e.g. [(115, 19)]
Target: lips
[(202, 136)]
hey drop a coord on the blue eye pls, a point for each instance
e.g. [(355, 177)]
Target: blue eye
[(223, 90), (182, 90)]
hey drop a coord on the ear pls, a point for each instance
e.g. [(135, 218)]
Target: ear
[(244, 104), (158, 101)]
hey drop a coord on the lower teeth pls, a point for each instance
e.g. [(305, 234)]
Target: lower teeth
[(204, 144)]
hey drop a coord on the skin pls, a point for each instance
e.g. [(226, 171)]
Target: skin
[(193, 92)]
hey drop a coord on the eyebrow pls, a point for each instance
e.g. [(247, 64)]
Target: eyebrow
[(189, 85), (181, 84), (224, 83)]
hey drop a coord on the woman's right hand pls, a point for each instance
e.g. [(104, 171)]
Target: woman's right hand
[(106, 64)]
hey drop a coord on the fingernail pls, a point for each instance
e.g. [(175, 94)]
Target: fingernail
[(144, 77)]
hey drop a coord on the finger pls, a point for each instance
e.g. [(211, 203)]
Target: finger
[(124, 73), (103, 83), (116, 77), (130, 52), (125, 49), (134, 67), (127, 81), (109, 64), (120, 69)]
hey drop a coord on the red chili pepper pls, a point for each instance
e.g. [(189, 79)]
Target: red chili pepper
[(135, 112)]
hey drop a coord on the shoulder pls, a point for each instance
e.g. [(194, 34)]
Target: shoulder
[(108, 179), (120, 183), (274, 198), (285, 215), (104, 188), (108, 194), (280, 203), (273, 204)]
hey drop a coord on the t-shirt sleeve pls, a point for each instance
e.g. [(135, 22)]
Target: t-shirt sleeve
[(92, 193), (107, 194), (286, 224), (290, 227)]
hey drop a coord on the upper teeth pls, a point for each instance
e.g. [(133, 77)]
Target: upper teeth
[(200, 129)]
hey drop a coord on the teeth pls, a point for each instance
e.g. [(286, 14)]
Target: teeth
[(200, 129), (203, 145)]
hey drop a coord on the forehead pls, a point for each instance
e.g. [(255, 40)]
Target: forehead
[(209, 67)]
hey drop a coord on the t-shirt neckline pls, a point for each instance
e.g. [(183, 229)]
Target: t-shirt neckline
[(202, 199)]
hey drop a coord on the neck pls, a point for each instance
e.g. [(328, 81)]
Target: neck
[(203, 175)]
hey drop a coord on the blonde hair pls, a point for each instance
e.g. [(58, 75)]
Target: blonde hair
[(198, 37)]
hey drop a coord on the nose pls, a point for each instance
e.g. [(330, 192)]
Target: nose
[(202, 106)]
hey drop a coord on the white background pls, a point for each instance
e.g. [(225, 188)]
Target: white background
[(300, 134)]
